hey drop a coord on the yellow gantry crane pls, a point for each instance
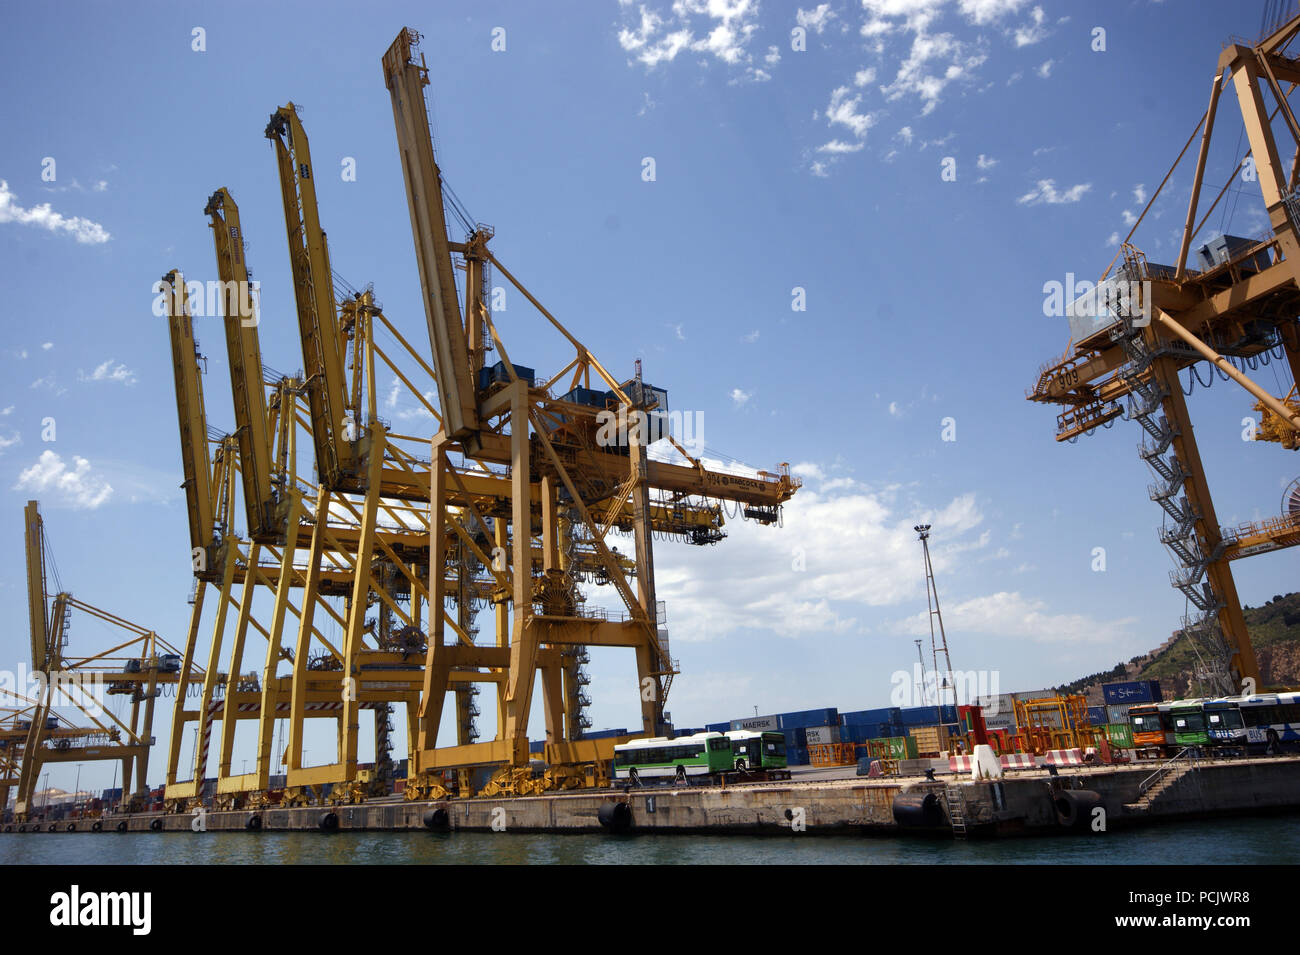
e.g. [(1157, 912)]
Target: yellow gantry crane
[(135, 667), (511, 512), (1233, 308)]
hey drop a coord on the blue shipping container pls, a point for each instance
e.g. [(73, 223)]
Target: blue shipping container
[(717, 727), (1138, 691), (1097, 715), (888, 714), (948, 713), (825, 717), (921, 716)]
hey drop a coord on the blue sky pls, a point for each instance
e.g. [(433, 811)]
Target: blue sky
[(775, 168)]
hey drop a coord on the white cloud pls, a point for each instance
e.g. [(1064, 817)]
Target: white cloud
[(75, 487), (9, 442), (7, 411), (1140, 192), (839, 147), (722, 28), (101, 186), (1046, 69), (905, 134), (47, 345), (108, 371), (740, 398), (48, 383), (42, 216), (1016, 617), (1129, 218), (986, 162), (855, 545), (981, 12), (1034, 30), (863, 77), (773, 56), (815, 19), (1114, 239), (1045, 191), (894, 410), (844, 111)]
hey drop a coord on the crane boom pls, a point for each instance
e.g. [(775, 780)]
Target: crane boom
[(37, 609), (190, 414), (245, 358), (406, 80), (313, 285)]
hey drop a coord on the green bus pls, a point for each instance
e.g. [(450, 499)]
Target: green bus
[(1187, 718), (754, 750), (680, 759)]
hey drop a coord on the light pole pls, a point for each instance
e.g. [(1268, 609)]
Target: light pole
[(932, 602), (76, 791), (920, 674)]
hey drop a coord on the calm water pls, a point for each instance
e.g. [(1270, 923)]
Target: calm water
[(1227, 842)]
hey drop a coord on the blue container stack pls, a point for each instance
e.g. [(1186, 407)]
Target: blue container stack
[(717, 727), (1138, 691), (795, 726), (923, 716), (603, 734), (1097, 715), (948, 713)]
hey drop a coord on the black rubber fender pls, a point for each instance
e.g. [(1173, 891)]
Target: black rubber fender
[(918, 809), (70, 827), (155, 825), (52, 827), (437, 819), (615, 816), (329, 822), (9, 828), (253, 823), (1074, 807), (121, 826)]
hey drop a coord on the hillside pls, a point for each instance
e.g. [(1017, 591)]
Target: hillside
[(1274, 632)]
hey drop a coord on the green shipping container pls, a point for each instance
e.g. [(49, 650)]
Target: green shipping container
[(894, 747), (1119, 735)]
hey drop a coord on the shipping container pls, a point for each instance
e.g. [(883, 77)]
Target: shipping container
[(1119, 735), (1097, 715), (758, 724), (717, 727), (888, 714), (822, 735), (1035, 695), (824, 717), (798, 756), (604, 734), (1118, 713), (1138, 691), (920, 716), (948, 713), (796, 736), (997, 706), (898, 747)]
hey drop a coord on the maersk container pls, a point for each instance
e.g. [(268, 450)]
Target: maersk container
[(1137, 691), (887, 714), (920, 716), (757, 724), (822, 735)]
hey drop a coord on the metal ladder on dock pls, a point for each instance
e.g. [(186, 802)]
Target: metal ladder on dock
[(956, 804), (1163, 779)]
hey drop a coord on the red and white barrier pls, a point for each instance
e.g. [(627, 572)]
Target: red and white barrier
[(960, 764), (1018, 761), (1063, 757)]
